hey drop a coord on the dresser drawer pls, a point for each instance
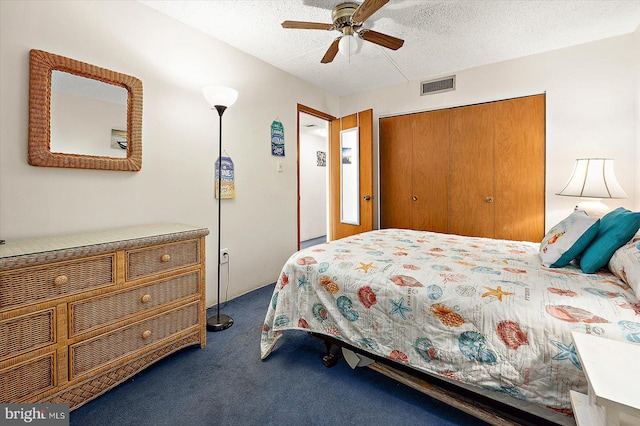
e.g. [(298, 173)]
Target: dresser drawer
[(93, 353), (153, 260), (27, 332), (55, 280), (99, 311), (25, 380)]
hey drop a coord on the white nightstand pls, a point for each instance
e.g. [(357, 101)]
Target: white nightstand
[(613, 373)]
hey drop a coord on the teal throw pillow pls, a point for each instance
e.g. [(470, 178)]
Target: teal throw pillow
[(616, 228), (565, 241)]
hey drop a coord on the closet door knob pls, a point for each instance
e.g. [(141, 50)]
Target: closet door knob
[(367, 197), (489, 200), (414, 198)]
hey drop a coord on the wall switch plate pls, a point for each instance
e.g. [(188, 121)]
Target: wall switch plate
[(279, 167)]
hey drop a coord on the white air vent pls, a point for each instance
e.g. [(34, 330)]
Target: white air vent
[(438, 86)]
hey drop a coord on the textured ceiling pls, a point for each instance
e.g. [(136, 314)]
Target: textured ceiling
[(440, 36)]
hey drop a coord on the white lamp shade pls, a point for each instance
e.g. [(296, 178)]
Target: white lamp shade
[(593, 178), (220, 95), (348, 45)]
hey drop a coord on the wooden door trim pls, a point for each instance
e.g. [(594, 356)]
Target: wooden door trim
[(319, 114), (315, 113), (543, 93)]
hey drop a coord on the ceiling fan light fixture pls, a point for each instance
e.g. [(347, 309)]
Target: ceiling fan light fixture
[(348, 45)]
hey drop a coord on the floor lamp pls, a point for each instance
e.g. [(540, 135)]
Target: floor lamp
[(220, 98)]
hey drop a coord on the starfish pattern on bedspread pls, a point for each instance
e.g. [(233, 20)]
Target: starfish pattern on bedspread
[(497, 292), (399, 308), (365, 267), (567, 352)]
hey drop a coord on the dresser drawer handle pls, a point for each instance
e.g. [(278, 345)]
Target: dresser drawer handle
[(146, 334), (165, 258), (146, 298), (61, 280)]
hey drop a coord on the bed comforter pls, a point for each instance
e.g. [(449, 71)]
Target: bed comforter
[(476, 310)]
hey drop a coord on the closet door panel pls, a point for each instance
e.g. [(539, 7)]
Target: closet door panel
[(430, 171), (519, 168), (395, 171), (471, 171)]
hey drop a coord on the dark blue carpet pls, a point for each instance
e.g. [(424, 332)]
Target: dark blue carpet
[(313, 242), (226, 383)]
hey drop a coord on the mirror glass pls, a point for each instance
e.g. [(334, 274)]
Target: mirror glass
[(350, 176), (83, 116), (87, 116)]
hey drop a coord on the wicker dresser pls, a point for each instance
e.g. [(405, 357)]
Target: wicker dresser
[(80, 314)]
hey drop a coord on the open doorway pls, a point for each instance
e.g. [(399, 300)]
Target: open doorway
[(313, 178)]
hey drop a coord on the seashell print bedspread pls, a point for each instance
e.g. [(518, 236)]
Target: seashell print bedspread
[(481, 311)]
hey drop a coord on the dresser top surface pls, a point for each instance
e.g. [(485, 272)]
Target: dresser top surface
[(33, 246)]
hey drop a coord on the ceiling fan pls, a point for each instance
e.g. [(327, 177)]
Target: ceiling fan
[(348, 18)]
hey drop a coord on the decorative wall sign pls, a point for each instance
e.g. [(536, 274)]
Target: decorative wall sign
[(228, 178), (277, 138), (322, 158)]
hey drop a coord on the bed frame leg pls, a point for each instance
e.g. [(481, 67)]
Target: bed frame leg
[(332, 354)]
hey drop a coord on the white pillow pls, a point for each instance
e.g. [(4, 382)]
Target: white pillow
[(625, 264), (565, 241)]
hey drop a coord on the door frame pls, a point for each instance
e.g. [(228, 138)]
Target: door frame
[(323, 116)]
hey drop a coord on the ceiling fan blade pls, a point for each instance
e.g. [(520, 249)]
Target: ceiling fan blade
[(366, 9), (383, 40), (307, 25), (331, 52)]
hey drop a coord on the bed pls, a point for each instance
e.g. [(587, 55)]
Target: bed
[(481, 312)]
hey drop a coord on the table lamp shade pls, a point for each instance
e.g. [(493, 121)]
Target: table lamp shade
[(593, 178)]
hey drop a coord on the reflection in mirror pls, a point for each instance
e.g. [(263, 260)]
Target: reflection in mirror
[(83, 116), (87, 116), (350, 176)]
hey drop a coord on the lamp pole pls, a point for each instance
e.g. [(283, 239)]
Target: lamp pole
[(220, 322), (220, 98)]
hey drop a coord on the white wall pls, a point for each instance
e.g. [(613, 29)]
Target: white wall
[(636, 49), (313, 188), (591, 108), (180, 135)]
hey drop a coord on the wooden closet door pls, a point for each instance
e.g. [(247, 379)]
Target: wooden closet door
[(395, 148), (520, 168), (471, 208), (430, 174)]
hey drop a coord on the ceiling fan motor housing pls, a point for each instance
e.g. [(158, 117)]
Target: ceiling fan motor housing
[(341, 16)]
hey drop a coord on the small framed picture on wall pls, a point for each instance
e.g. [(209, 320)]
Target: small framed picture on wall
[(322, 158)]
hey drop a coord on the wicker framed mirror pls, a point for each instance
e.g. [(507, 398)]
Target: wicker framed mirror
[(43, 66)]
